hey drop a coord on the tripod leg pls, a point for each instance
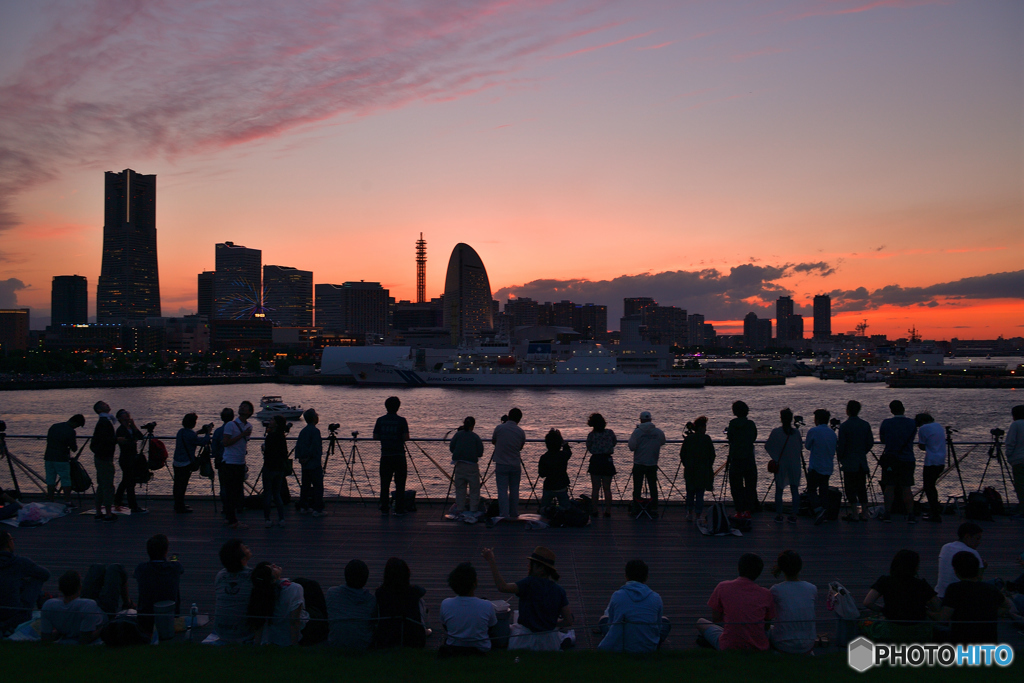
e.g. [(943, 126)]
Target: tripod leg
[(417, 471)]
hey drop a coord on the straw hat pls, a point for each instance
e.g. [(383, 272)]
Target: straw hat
[(542, 555)]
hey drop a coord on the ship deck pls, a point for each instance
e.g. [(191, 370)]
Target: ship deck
[(685, 566)]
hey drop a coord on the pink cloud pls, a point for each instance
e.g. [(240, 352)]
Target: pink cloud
[(656, 47), (168, 78), (839, 7), (592, 48)]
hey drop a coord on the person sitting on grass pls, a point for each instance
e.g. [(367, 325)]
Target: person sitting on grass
[(740, 610), (553, 468), (232, 588), (401, 611), (107, 584), (972, 605), (908, 601), (968, 539), (71, 618), (277, 607), (158, 581), (350, 609), (794, 630), (21, 583), (466, 618), (543, 604), (633, 621)]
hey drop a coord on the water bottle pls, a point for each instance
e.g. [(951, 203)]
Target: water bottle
[(193, 619)]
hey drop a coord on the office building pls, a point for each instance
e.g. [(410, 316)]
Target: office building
[(783, 313), (129, 282), (69, 300), (666, 325), (237, 282), (591, 321), (757, 332), (695, 330), (822, 317), (638, 305), (467, 295), (204, 294), (14, 329), (288, 296), (407, 315), (353, 308)]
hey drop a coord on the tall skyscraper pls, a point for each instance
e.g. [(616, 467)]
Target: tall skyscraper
[(667, 325), (204, 295), (467, 295), (129, 282), (69, 300), (783, 313), (237, 281), (355, 308), (591, 321), (288, 296), (695, 330), (14, 323), (822, 316), (757, 332)]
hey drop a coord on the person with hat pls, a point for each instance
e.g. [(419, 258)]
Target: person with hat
[(646, 442), (543, 604)]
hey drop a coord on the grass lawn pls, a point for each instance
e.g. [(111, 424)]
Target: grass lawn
[(183, 663)]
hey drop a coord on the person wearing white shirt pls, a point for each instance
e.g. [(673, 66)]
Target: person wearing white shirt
[(969, 534), (1015, 455), (793, 630), (931, 438), (277, 607), (232, 469), (466, 618)]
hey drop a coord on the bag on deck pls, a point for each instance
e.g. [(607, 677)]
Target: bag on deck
[(410, 500), (573, 516), (995, 501), (978, 508), (715, 522), (833, 503)]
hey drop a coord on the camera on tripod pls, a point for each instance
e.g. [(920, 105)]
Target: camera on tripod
[(798, 421), (207, 427), (690, 429), (834, 423), (355, 434), (333, 427), (149, 427), (997, 432)]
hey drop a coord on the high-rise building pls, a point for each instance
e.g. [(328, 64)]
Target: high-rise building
[(204, 294), (631, 330), (796, 329), (288, 296), (69, 300), (14, 329), (467, 295), (667, 325), (695, 330), (591, 321), (129, 282), (757, 332), (522, 312), (355, 308), (783, 313), (562, 313), (407, 315), (822, 316), (638, 305), (237, 282), (421, 270)]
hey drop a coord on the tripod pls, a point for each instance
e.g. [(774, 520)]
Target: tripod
[(995, 452), (13, 460), (349, 472)]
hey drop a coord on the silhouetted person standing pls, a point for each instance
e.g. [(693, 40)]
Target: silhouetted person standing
[(508, 439), (128, 437), (855, 442), (103, 445), (897, 434), (392, 431), (742, 433), (61, 442), (646, 442)]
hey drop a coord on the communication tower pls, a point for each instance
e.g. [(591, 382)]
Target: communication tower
[(421, 270)]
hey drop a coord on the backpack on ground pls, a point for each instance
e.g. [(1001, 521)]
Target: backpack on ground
[(995, 501), (978, 508), (715, 522), (80, 479), (157, 454), (410, 500), (572, 516)]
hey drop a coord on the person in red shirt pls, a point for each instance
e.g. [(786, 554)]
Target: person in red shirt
[(740, 610)]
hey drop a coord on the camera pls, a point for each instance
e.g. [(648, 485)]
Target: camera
[(997, 432), (355, 435), (834, 423), (798, 421), (207, 427), (333, 427), (690, 429), (149, 426)]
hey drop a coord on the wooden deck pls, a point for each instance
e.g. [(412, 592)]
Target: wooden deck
[(685, 566)]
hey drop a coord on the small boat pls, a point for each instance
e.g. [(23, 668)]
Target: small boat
[(272, 406)]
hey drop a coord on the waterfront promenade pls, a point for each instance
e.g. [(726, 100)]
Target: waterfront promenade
[(685, 566)]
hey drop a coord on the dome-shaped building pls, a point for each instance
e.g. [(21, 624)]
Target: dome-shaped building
[(467, 295)]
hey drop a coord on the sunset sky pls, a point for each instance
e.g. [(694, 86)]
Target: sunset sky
[(713, 155)]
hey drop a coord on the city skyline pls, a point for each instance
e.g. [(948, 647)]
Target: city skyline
[(709, 157)]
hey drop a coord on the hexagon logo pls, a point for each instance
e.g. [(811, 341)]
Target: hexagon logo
[(861, 654)]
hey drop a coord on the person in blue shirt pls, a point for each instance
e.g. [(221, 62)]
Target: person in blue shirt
[(633, 621), (932, 440), (392, 431), (897, 435), (821, 446), (185, 444)]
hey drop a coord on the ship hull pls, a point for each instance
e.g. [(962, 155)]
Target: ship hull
[(390, 375)]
